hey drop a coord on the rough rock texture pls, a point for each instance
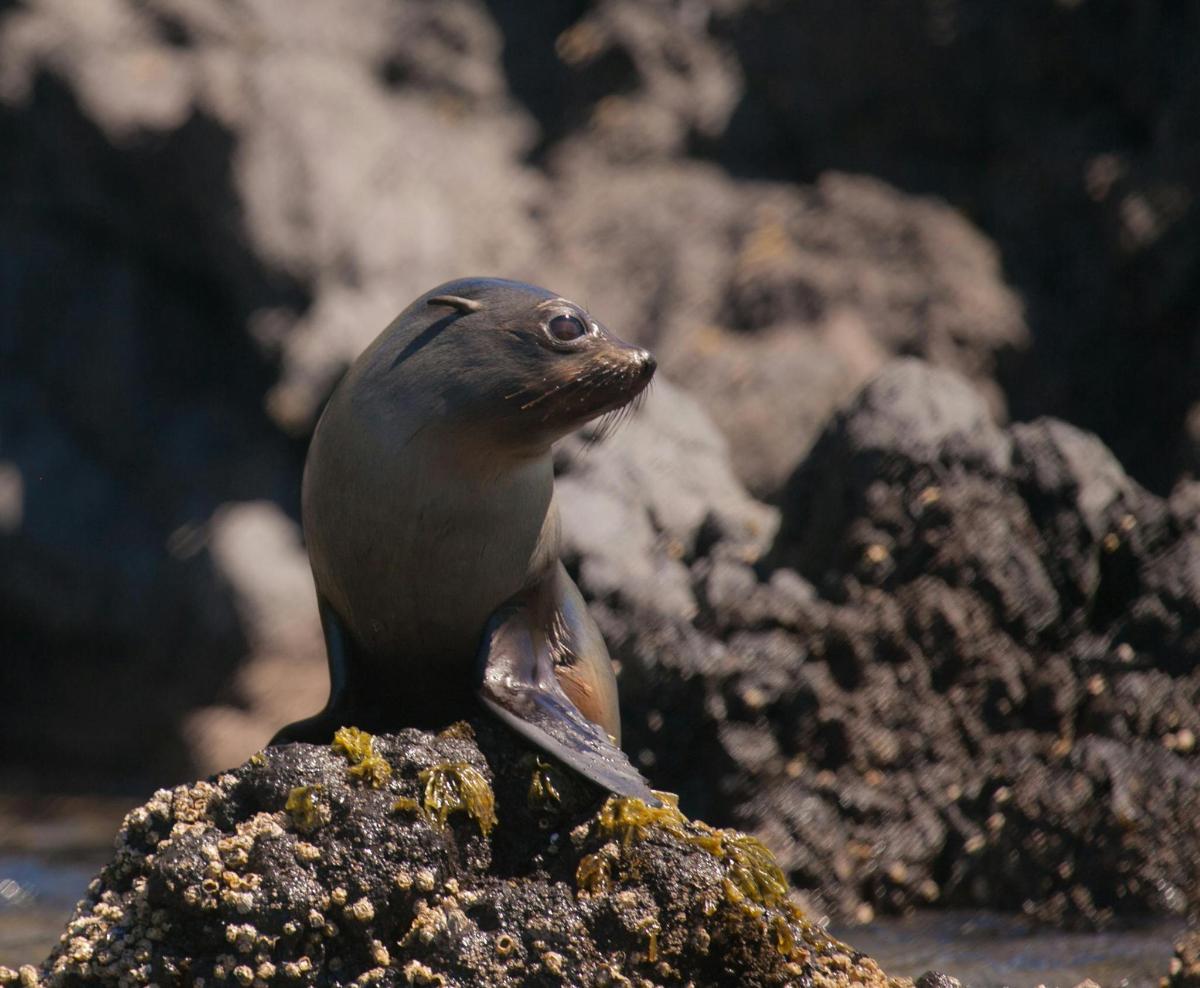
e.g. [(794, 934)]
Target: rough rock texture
[(964, 673), (636, 506), (299, 868), (1067, 131)]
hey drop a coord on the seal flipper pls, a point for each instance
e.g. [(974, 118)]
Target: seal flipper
[(319, 728), (520, 666)]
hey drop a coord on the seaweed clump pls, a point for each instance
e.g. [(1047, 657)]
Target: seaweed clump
[(753, 879), (358, 747), (751, 885), (451, 787), (305, 809)]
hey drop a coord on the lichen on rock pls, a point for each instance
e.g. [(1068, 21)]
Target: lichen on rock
[(290, 871)]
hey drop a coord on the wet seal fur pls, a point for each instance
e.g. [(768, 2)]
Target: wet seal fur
[(433, 533)]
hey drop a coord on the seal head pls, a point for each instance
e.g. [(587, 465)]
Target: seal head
[(433, 533)]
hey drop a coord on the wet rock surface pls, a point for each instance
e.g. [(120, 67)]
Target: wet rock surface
[(419, 859)]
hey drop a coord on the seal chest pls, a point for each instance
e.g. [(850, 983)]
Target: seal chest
[(432, 531)]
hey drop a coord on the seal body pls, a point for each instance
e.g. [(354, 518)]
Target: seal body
[(432, 529)]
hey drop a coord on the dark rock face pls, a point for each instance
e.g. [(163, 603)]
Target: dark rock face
[(960, 676), (1068, 131), (293, 869), (131, 408)]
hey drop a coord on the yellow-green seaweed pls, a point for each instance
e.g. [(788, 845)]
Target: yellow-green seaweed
[(785, 939), (543, 793), (753, 869), (594, 874), (460, 730), (304, 807), (630, 819), (752, 878), (454, 786), (359, 749), (752, 883), (450, 787), (650, 927)]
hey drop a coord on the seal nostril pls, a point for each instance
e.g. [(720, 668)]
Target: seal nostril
[(648, 363)]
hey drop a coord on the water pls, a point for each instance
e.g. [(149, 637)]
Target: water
[(36, 900), (988, 950), (51, 850)]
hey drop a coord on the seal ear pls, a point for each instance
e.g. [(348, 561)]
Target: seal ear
[(464, 305)]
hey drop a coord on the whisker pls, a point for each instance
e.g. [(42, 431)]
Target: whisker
[(611, 422), (570, 383), (601, 377)]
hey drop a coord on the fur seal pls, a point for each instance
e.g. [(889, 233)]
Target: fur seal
[(433, 534)]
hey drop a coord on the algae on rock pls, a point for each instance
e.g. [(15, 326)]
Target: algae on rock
[(289, 870)]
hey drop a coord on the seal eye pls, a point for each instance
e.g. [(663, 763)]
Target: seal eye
[(566, 329)]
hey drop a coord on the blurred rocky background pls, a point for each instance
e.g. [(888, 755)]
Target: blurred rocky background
[(901, 562)]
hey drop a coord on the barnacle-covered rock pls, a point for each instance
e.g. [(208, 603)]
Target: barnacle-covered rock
[(435, 865)]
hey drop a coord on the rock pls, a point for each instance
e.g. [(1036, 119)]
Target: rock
[(211, 209), (433, 859), (965, 644), (643, 80), (636, 507), (774, 302), (257, 550), (936, 979), (916, 414), (1082, 169), (771, 391)]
